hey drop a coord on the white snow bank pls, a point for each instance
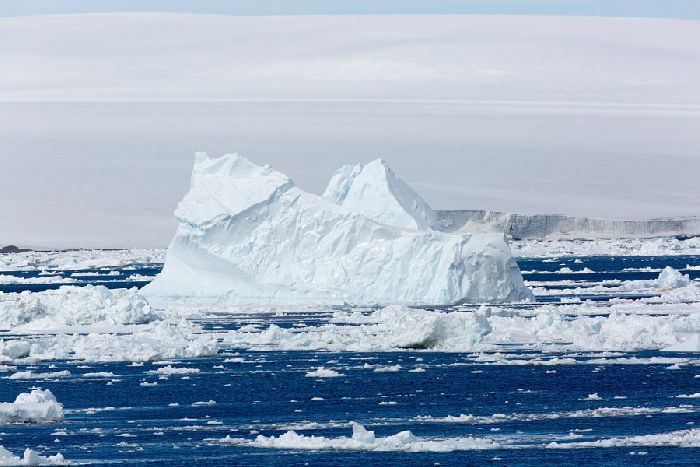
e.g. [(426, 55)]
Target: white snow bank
[(364, 440), (247, 235), (70, 306), (38, 406), (669, 278), (30, 457), (374, 190)]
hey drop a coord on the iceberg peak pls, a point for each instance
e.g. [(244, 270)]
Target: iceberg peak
[(374, 190), (227, 185)]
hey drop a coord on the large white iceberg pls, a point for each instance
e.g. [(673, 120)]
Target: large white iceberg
[(247, 235)]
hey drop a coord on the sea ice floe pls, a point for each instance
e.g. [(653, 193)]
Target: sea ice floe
[(548, 327), (37, 406), (363, 440), (170, 370), (322, 372), (159, 340), (680, 438), (601, 412)]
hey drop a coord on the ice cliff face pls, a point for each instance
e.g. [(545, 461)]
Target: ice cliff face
[(248, 235), (375, 191)]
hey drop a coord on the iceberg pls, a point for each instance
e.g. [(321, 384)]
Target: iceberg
[(248, 236), (375, 191)]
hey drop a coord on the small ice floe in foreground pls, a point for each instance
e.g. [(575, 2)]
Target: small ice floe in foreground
[(669, 278), (38, 406), (30, 458), (363, 440), (593, 397), (322, 372)]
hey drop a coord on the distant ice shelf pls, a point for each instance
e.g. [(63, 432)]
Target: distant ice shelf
[(522, 226)]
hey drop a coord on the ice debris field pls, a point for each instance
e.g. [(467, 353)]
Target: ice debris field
[(530, 352)]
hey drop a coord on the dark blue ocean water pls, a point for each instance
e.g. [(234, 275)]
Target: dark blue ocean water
[(117, 419)]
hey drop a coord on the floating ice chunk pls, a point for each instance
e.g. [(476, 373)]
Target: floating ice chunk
[(98, 374), (30, 457), (363, 440), (37, 406), (374, 190), (669, 278), (31, 375), (322, 372), (593, 397), (171, 370), (387, 369), (248, 236)]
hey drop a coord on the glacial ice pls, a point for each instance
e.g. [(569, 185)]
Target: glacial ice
[(37, 406), (248, 236), (374, 190), (669, 278)]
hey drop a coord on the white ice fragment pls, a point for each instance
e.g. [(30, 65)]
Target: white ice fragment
[(37, 406), (670, 278), (170, 370), (322, 372)]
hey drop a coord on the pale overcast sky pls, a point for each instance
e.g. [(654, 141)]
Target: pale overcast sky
[(685, 9)]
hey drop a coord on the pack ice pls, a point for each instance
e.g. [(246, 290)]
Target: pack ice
[(247, 235)]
